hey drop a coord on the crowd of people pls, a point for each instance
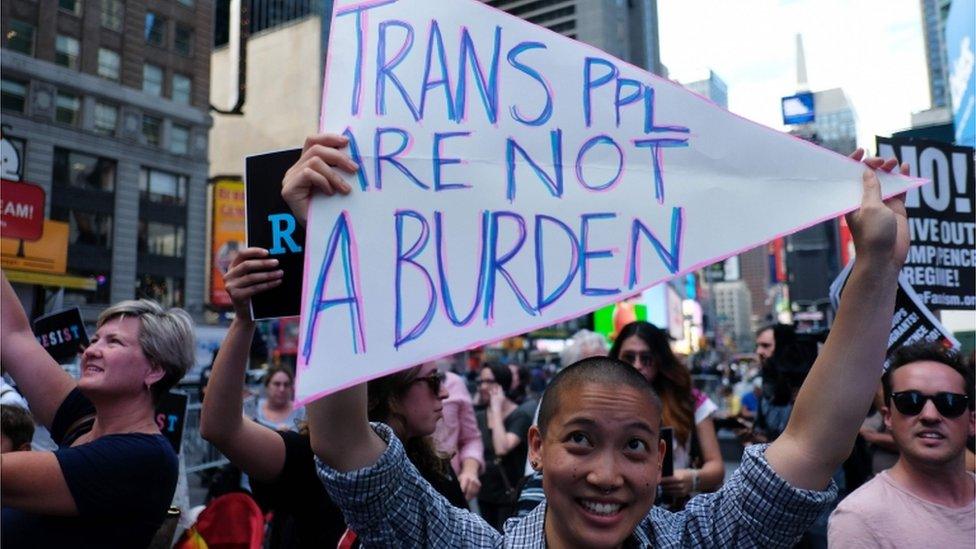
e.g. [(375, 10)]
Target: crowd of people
[(500, 455)]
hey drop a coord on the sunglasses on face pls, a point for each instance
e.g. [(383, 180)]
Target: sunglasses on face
[(950, 405), (434, 381), (646, 358)]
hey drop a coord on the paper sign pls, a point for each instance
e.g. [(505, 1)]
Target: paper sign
[(271, 225), (912, 320), (941, 262), (512, 178), (61, 333)]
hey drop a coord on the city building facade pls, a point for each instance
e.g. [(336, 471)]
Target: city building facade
[(106, 104), (813, 254), (934, 14), (733, 307), (627, 30)]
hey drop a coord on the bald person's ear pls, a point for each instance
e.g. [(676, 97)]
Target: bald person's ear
[(535, 447)]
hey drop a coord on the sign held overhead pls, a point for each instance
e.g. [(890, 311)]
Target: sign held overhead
[(511, 177)]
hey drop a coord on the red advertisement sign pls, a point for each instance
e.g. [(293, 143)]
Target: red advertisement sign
[(846, 242), (21, 210), (777, 257)]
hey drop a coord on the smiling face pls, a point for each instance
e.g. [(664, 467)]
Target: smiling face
[(420, 406), (114, 364), (929, 438), (601, 462), (636, 352)]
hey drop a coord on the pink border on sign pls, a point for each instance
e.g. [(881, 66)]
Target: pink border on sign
[(914, 183)]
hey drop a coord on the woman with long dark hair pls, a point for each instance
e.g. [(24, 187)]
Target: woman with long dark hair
[(698, 463), (410, 402), (280, 463)]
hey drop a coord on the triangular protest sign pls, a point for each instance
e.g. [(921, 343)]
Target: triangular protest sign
[(512, 178)]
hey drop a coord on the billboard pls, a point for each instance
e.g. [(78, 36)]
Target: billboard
[(798, 109), (227, 235), (960, 40), (48, 254)]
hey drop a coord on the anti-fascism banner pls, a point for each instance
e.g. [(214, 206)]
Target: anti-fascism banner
[(271, 225), (912, 321), (941, 263), (511, 177)]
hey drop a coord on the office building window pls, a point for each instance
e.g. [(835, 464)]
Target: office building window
[(162, 187), (83, 171), (112, 12), (74, 298), (66, 51), (93, 229), (182, 87), (152, 129), (106, 118), (67, 108), (155, 29), (167, 290), (183, 40), (179, 139), (152, 79), (109, 63), (13, 95), (71, 6), (20, 37), (162, 239)]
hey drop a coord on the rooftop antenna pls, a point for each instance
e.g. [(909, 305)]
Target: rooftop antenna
[(801, 66)]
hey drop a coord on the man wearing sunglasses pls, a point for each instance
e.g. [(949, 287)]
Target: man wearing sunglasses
[(927, 499)]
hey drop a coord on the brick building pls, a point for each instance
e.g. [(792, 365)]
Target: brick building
[(106, 104)]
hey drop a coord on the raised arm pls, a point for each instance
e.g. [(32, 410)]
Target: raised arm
[(502, 440), (256, 449), (38, 376), (351, 443), (837, 393)]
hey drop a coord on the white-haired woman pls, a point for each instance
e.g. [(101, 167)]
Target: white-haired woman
[(112, 478)]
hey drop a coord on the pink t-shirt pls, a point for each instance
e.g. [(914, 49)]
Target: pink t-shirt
[(883, 514), (457, 434)]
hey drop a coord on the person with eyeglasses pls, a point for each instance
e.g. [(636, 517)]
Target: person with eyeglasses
[(504, 432), (280, 463), (927, 499), (698, 465)]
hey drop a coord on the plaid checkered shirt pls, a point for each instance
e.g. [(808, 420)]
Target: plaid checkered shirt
[(390, 505)]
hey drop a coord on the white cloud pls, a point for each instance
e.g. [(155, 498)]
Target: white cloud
[(873, 49)]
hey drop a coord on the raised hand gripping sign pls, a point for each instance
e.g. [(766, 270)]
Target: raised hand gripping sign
[(512, 178)]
